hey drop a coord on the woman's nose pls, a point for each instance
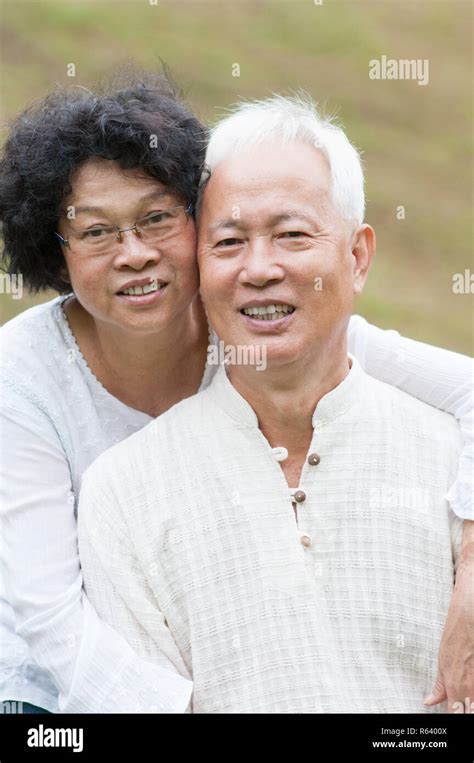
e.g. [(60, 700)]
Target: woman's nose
[(134, 252)]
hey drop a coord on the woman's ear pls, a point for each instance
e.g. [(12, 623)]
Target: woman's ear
[(363, 250), (64, 273)]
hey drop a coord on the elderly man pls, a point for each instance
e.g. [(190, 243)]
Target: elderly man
[(281, 539)]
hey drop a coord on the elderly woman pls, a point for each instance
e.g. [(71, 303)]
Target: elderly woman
[(97, 195)]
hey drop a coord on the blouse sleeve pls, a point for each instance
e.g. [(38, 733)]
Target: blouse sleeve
[(93, 666), (116, 583), (438, 377)]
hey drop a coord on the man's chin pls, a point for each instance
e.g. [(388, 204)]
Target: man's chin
[(259, 353)]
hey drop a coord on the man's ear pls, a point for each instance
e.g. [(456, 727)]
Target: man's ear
[(363, 250)]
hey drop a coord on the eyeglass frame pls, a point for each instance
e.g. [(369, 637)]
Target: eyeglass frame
[(65, 241)]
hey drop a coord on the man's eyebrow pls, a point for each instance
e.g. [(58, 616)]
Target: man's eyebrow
[(143, 199), (294, 214), (228, 223)]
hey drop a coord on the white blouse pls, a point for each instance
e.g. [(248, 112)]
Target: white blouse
[(190, 549), (56, 419)]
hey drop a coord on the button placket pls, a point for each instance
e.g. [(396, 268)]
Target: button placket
[(300, 495), (297, 495), (310, 476), (280, 453), (299, 498)]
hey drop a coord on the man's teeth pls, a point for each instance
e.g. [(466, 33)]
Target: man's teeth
[(143, 289), (269, 312)]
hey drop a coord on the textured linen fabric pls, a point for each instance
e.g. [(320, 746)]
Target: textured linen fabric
[(56, 419), (191, 550)]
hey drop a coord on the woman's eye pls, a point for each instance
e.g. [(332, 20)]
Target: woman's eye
[(229, 242), (156, 218), (94, 233)]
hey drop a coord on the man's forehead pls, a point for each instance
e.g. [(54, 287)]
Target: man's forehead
[(226, 205), (273, 155), (260, 178), (267, 180)]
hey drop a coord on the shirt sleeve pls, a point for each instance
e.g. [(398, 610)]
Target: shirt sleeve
[(93, 666), (438, 377), (116, 583)]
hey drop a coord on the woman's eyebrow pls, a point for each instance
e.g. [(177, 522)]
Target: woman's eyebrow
[(143, 199), (82, 210)]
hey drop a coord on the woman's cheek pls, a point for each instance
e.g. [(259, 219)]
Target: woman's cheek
[(90, 285)]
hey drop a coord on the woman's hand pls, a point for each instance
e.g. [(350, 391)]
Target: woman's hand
[(455, 680)]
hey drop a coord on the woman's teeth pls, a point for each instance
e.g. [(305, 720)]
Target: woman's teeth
[(143, 289), (269, 312)]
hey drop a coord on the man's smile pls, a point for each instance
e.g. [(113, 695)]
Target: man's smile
[(267, 314)]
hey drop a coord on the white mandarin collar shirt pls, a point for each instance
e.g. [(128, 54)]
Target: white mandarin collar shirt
[(192, 551)]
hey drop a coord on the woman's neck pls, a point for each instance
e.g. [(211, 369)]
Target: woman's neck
[(148, 372)]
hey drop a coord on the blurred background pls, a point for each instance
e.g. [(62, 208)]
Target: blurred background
[(416, 139)]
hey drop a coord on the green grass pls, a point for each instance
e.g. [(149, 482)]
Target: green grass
[(416, 140)]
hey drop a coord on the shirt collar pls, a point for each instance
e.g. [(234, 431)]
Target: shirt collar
[(333, 404), (340, 399)]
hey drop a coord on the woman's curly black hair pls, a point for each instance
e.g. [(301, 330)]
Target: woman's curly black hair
[(50, 140)]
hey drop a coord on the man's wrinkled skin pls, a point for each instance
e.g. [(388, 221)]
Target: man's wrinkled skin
[(455, 680)]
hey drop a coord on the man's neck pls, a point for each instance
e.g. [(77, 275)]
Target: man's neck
[(284, 397)]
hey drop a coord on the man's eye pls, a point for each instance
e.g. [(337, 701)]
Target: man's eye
[(292, 234), (229, 242)]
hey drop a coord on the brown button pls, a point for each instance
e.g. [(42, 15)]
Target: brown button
[(300, 496), (314, 459), (306, 541)]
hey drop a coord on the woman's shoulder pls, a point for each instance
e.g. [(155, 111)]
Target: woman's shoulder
[(32, 341), (33, 321)]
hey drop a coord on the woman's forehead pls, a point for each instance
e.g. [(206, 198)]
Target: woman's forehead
[(103, 184), (97, 172)]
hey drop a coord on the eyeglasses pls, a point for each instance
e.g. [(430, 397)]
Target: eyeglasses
[(155, 227)]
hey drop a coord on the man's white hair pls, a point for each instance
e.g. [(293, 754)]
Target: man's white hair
[(294, 119)]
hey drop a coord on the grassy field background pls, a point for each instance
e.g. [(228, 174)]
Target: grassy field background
[(416, 139)]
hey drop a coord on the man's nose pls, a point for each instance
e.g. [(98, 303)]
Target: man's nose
[(260, 264), (131, 250)]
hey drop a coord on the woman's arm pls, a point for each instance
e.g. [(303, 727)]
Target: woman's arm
[(116, 584), (455, 679), (444, 380), (94, 668), (439, 377)]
